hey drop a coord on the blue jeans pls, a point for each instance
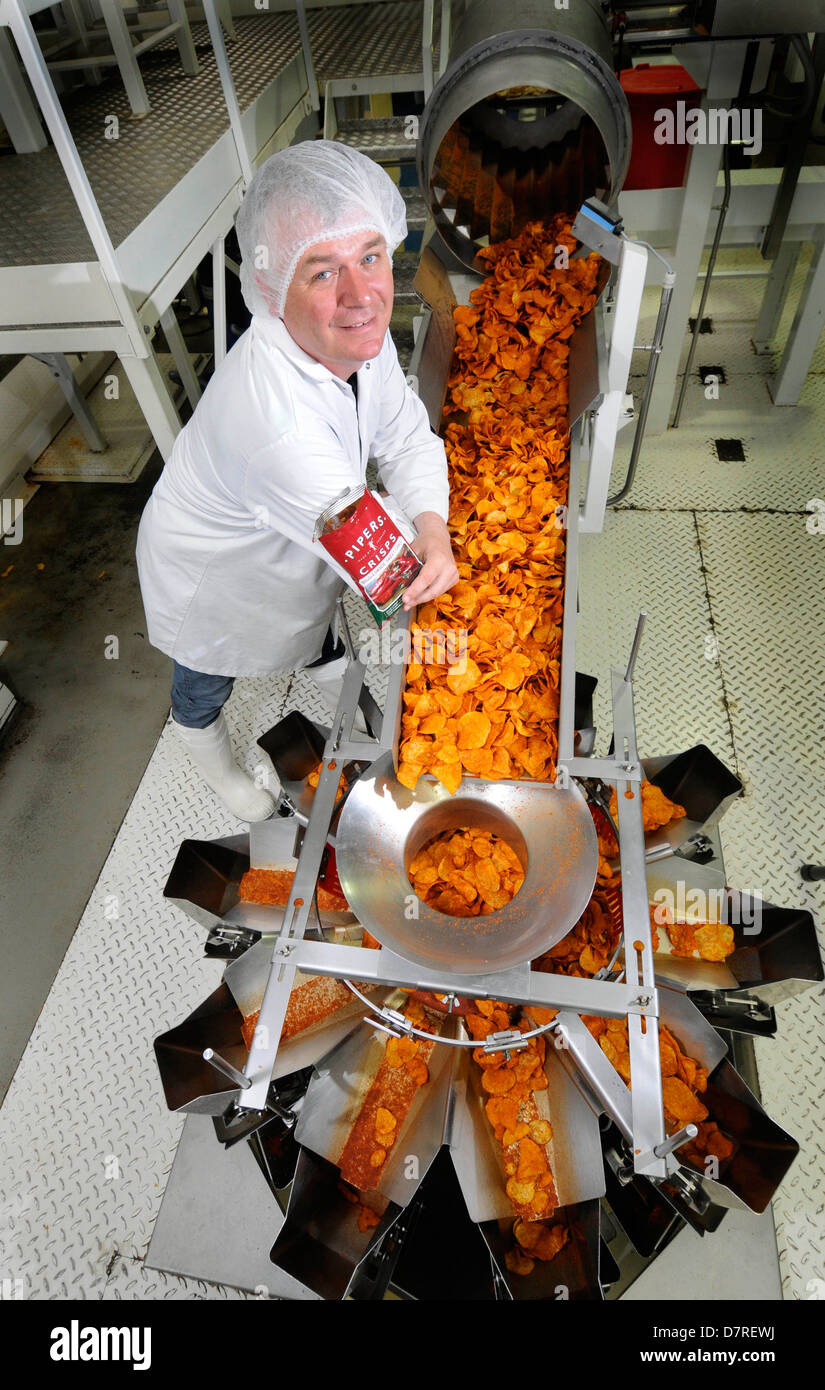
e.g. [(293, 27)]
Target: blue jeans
[(197, 698)]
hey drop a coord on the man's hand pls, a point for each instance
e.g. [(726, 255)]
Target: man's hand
[(438, 574)]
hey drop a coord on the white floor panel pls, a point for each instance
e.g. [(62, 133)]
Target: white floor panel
[(652, 561), (86, 1141), (129, 442), (89, 1186), (130, 1280), (733, 306), (765, 607), (766, 576), (783, 446)]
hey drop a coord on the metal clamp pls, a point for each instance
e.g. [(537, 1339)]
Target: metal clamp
[(392, 1022), (284, 947), (511, 1040)]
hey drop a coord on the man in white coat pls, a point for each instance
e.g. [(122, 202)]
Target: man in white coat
[(232, 582)]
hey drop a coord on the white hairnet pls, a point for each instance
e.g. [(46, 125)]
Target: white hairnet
[(310, 192)]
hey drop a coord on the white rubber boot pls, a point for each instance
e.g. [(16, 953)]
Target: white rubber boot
[(211, 752), (329, 679)]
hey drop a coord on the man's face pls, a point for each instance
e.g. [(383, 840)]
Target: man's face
[(339, 303)]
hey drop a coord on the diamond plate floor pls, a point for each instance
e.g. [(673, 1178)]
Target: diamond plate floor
[(87, 1086), (766, 580), (39, 220), (783, 467), (85, 1140)]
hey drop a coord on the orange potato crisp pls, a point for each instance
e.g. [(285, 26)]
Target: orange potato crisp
[(466, 873), (493, 712)]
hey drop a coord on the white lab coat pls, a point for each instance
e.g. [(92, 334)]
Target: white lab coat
[(232, 582)]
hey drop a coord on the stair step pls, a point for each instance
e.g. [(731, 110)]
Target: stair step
[(416, 208), (404, 267), (381, 137)]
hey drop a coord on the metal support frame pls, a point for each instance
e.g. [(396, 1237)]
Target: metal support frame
[(125, 53), (776, 292), (798, 137), (111, 319), (224, 9), (219, 300), (14, 14), (427, 46), (786, 386), (58, 365), (147, 381), (643, 1032), (637, 999), (180, 353), (312, 82), (230, 96), (444, 45), (386, 84), (614, 410), (639, 1113), (74, 31), (17, 113), (718, 68)]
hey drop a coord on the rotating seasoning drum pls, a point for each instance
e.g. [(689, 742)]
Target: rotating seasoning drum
[(365, 541)]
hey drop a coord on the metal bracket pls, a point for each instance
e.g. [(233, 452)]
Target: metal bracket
[(394, 1023), (646, 1006), (599, 229), (508, 1041), (284, 947), (228, 942)]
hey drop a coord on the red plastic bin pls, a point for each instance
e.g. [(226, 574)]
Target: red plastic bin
[(650, 87)]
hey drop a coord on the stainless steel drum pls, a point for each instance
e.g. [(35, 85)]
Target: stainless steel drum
[(383, 826), (528, 120)]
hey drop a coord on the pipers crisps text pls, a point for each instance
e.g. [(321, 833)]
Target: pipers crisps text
[(366, 542)]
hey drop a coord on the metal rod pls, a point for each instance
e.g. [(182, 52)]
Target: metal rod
[(229, 94), (226, 1068), (742, 274), (647, 1110), (588, 996), (63, 374), (219, 302), (606, 969), (675, 1141), (444, 48), (634, 650), (427, 46), (798, 137), (343, 627), (19, 115), (179, 351), (307, 51), (658, 852), (720, 226), (396, 1025)]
